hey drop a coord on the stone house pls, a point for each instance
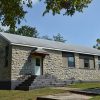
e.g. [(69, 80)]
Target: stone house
[(40, 62)]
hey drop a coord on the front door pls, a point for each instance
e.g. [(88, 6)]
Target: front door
[(37, 65)]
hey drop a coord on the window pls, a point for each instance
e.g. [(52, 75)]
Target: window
[(86, 63), (38, 61), (99, 62), (71, 60)]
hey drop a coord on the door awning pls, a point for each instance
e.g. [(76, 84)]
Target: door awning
[(40, 51)]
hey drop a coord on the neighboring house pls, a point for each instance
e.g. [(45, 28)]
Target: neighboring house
[(22, 57)]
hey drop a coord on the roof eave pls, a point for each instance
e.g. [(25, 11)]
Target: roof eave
[(56, 49)]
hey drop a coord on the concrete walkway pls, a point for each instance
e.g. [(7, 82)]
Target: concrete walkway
[(65, 96)]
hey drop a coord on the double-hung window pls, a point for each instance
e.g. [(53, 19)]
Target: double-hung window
[(71, 60), (86, 63)]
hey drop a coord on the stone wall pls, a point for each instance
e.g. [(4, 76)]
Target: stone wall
[(53, 64), (56, 63), (80, 73), (21, 64), (83, 74)]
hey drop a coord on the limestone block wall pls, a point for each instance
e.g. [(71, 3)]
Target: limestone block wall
[(21, 65), (77, 60), (83, 74), (96, 63), (53, 64), (80, 73), (56, 63)]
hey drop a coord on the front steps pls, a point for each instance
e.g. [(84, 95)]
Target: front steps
[(25, 85), (41, 81), (47, 81)]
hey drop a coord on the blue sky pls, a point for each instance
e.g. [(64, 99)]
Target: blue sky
[(80, 29)]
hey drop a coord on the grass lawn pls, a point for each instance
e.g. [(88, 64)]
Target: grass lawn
[(86, 86), (27, 95)]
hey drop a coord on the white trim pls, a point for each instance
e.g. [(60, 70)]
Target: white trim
[(55, 49)]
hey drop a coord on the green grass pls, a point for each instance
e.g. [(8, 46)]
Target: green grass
[(95, 98), (33, 94), (85, 85), (27, 95)]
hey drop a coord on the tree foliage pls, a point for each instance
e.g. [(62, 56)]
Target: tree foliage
[(46, 37), (70, 6), (25, 31), (58, 38), (13, 11), (97, 46)]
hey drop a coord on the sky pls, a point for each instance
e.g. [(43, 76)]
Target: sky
[(80, 29)]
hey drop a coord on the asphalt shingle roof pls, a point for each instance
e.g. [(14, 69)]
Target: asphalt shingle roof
[(47, 44)]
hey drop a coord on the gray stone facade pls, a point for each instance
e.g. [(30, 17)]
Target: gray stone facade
[(83, 74), (21, 66), (54, 64)]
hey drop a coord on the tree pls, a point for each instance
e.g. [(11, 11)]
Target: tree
[(97, 46), (59, 38), (11, 30), (25, 31), (13, 11), (70, 6), (46, 37)]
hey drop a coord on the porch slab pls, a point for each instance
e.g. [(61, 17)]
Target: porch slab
[(64, 96)]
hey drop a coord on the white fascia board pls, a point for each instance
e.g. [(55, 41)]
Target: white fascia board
[(56, 49)]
